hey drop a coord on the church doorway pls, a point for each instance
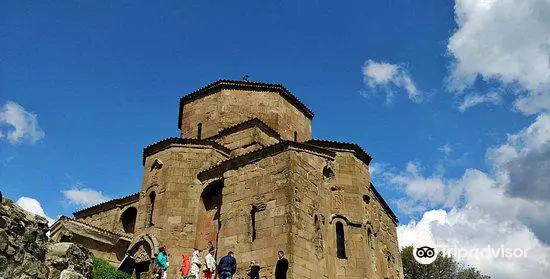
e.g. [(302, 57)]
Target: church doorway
[(208, 222), (138, 258)]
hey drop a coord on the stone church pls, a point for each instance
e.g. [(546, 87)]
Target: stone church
[(246, 175)]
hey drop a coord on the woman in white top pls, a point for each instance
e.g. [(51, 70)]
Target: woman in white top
[(195, 265)]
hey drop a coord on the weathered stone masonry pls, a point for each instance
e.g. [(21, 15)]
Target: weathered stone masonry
[(246, 175)]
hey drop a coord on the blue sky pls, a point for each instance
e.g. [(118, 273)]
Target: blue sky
[(102, 80)]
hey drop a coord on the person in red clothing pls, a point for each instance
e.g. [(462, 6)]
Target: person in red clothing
[(185, 266)]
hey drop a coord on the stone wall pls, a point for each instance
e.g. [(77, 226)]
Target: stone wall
[(256, 213), (109, 215), (178, 198), (229, 107), (27, 253), (323, 198)]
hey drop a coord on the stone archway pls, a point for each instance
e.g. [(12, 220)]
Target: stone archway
[(208, 221), (143, 249), (128, 219)]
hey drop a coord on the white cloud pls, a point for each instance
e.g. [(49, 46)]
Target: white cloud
[(446, 149), (427, 192), (389, 77), (33, 206), (508, 206), (472, 100), (84, 197), (506, 41), (20, 124)]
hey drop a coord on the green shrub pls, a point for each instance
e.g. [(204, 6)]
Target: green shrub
[(104, 270)]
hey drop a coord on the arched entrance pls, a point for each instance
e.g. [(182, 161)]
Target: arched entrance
[(142, 250), (128, 219), (208, 222)]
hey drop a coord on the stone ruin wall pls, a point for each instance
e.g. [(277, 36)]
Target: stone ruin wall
[(229, 107), (27, 253)]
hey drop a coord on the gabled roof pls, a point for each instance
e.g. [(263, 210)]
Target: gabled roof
[(244, 159), (64, 218), (384, 204), (165, 143), (243, 85), (245, 125), (357, 150), (106, 205)]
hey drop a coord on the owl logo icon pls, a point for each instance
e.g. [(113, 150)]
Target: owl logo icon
[(425, 254)]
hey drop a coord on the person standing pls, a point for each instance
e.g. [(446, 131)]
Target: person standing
[(161, 263), (282, 266), (254, 272), (210, 261), (185, 266), (195, 264), (227, 266)]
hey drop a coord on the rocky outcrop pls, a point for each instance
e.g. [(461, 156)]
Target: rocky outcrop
[(27, 253), (68, 260)]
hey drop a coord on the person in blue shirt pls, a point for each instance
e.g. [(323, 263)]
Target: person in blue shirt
[(227, 266), (161, 263)]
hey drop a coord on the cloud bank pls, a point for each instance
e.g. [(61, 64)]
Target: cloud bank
[(33, 206), (18, 125), (506, 41), (506, 206)]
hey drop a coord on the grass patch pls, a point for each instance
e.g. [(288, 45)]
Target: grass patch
[(104, 270)]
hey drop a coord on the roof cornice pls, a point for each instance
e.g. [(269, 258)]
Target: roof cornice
[(165, 143), (243, 85), (64, 218), (244, 159), (106, 205), (335, 145)]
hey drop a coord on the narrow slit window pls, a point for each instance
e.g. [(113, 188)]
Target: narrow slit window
[(253, 221), (199, 131), (152, 198), (340, 241), (295, 136)]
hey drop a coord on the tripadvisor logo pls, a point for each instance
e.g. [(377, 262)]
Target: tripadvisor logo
[(425, 253)]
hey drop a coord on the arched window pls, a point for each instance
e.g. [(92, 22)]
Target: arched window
[(340, 241), (152, 197), (199, 131), (295, 136), (128, 219)]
